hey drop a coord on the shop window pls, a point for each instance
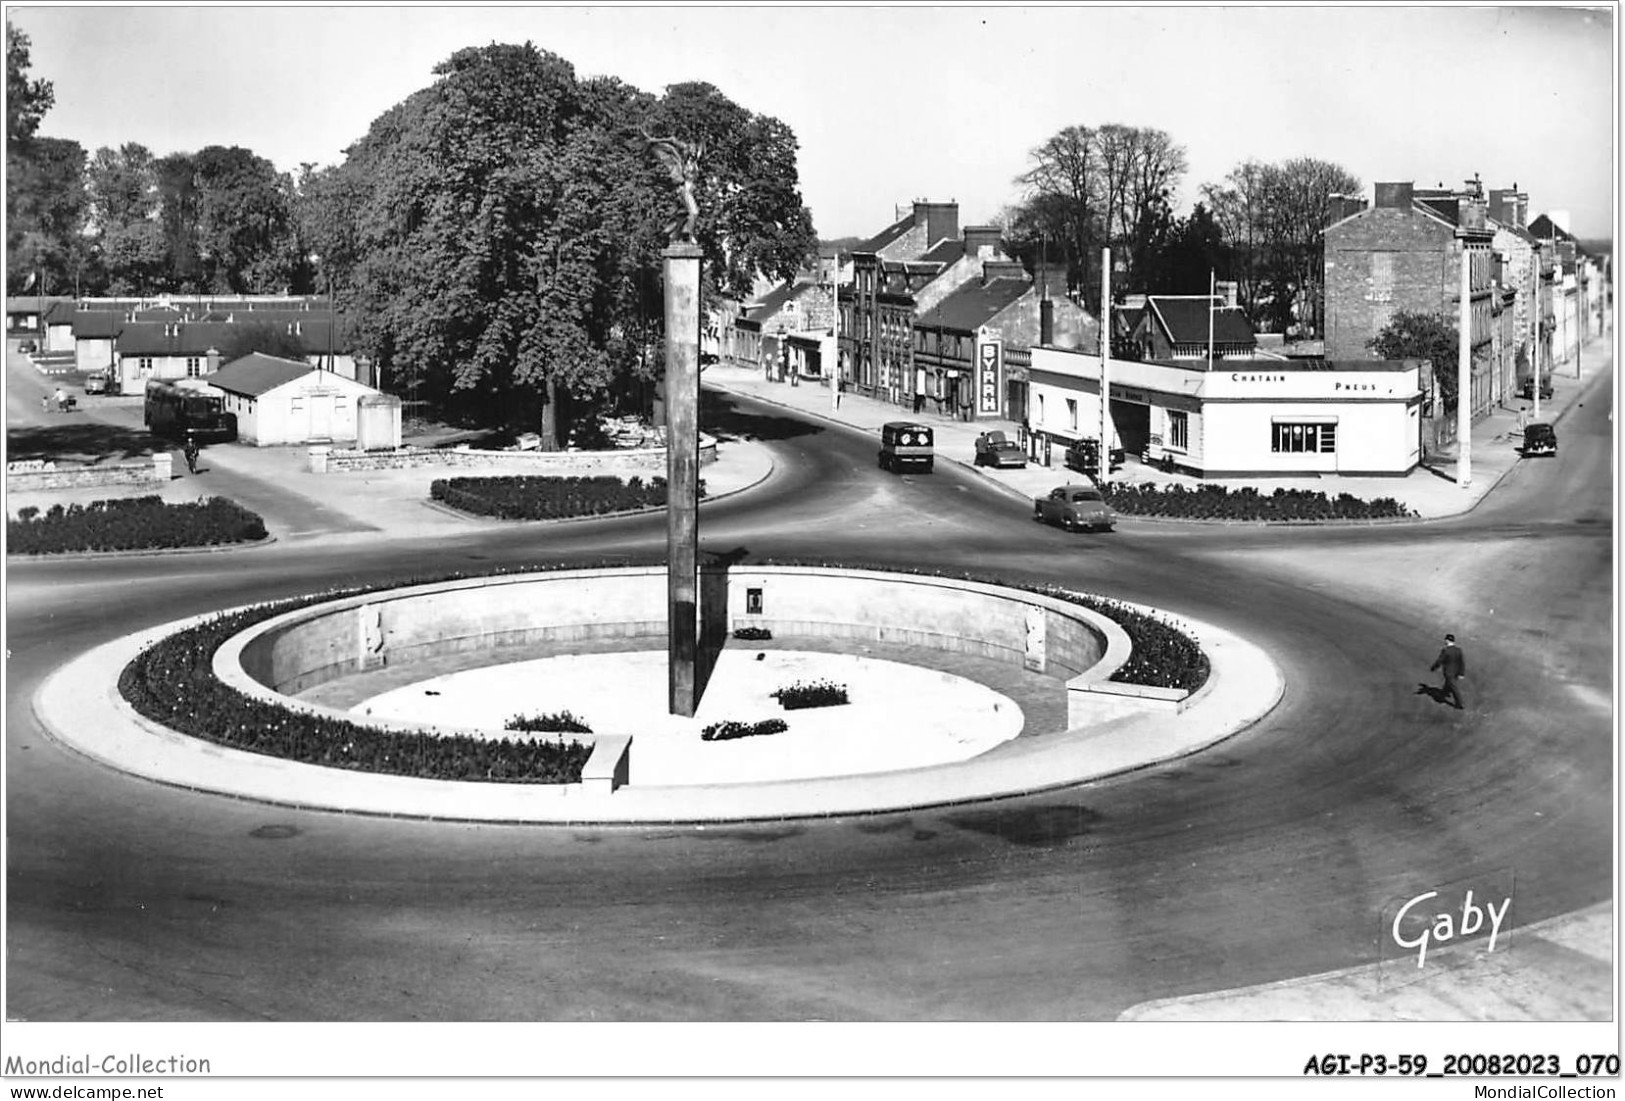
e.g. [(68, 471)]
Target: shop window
[(1178, 431), (1304, 438)]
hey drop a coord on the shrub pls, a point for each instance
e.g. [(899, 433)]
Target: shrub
[(727, 731), (132, 523), (172, 682), (562, 722), (798, 696), (1216, 502), (752, 634), (536, 497)]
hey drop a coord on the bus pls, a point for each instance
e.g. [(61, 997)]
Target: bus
[(176, 410)]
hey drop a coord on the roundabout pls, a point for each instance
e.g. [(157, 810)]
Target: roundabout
[(462, 657)]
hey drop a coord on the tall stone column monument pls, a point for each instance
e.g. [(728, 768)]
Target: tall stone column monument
[(682, 293)]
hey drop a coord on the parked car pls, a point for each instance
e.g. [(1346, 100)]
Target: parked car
[(905, 445), (1528, 390), (998, 450), (1073, 507), (1539, 439), (26, 346), (1084, 456), (96, 382)]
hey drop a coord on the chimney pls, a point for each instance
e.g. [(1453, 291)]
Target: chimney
[(1395, 196), (213, 357), (939, 220), (982, 241), (1002, 269)]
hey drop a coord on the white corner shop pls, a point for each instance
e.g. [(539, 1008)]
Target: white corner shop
[(1245, 417)]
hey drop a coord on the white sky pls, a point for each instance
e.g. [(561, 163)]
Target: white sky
[(902, 102)]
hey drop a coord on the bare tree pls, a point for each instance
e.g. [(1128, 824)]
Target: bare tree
[(1060, 203)]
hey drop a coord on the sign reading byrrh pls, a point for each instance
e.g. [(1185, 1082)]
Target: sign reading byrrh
[(989, 357)]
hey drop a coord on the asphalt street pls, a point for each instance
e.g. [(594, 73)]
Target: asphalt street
[(1270, 857)]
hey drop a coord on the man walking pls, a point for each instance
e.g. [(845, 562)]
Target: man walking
[(1451, 665), (190, 451)]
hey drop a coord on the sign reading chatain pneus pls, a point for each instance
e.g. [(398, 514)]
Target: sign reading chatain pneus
[(1417, 925)]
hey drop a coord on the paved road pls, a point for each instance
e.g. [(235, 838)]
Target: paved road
[(1269, 858)]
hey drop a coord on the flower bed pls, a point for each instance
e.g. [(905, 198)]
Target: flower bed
[(534, 497), (131, 523), (798, 696), (1215, 502), (172, 682), (727, 731), (561, 723)]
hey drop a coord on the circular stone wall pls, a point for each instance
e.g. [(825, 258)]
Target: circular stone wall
[(505, 619)]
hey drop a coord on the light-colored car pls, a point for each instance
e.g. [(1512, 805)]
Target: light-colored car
[(1074, 507), (995, 449)]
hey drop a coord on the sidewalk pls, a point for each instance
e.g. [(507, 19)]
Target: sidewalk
[(1430, 491)]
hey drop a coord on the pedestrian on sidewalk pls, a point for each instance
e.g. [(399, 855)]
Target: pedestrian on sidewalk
[(840, 388), (190, 451), (1452, 665)]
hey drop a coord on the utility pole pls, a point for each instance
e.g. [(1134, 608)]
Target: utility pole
[(1464, 377), (1103, 453)]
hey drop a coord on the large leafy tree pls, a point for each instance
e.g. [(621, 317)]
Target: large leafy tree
[(45, 198), (45, 203), (501, 230), (244, 226), (751, 220), (121, 187), (26, 100)]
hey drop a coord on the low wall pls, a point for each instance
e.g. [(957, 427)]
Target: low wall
[(296, 651), (31, 477), (624, 462)]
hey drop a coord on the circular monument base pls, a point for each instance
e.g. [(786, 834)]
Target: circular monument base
[(899, 716)]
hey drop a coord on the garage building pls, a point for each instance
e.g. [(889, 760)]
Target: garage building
[(1242, 418)]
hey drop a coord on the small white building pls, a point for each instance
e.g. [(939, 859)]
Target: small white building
[(284, 401), (1242, 418)]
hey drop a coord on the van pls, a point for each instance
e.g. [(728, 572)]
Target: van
[(1540, 439), (96, 383), (905, 445)]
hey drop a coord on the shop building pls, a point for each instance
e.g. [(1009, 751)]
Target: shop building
[(1243, 418)]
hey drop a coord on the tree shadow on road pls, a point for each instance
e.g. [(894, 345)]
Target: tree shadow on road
[(721, 417), (81, 441)]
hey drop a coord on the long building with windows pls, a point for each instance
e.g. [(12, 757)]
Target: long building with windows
[(1242, 418)]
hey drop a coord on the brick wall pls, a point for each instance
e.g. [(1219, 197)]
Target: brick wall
[(1381, 262)]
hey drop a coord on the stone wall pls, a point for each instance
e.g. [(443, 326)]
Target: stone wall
[(31, 477), (642, 461)]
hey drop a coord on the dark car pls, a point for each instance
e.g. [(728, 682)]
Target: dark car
[(1073, 507), (1540, 439), (1528, 390), (905, 445), (998, 450), (1084, 456), (26, 346)]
